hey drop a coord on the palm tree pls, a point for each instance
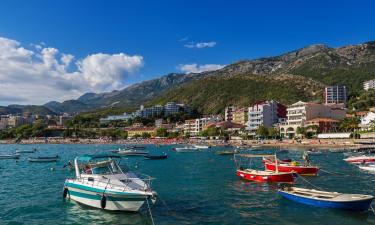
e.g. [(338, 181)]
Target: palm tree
[(350, 124)]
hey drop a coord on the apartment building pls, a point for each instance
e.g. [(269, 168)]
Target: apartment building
[(194, 126), (370, 84), (265, 113), (240, 116), (335, 95), (300, 112), (228, 113)]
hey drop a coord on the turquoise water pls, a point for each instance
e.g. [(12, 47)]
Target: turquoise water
[(194, 188)]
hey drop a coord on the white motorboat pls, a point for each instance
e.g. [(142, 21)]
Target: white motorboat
[(132, 152), (360, 159), (368, 167), (44, 159), (101, 183), (187, 149), (201, 146), (10, 156)]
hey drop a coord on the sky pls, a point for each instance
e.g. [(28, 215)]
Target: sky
[(58, 50)]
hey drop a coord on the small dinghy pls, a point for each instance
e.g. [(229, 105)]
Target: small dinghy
[(163, 156), (324, 199), (43, 159), (10, 156)]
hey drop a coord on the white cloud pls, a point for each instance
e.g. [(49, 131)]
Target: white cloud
[(201, 44), (195, 68), (43, 74)]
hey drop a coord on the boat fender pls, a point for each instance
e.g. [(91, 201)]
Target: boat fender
[(103, 202), (65, 192)]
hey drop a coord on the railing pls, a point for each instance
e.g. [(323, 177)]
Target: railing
[(107, 184)]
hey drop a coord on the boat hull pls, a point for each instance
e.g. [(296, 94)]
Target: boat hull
[(277, 177), (301, 170), (359, 160), (354, 205), (131, 203)]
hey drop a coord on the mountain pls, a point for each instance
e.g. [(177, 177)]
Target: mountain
[(18, 109), (70, 106)]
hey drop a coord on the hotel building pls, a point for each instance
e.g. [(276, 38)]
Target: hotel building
[(335, 94)]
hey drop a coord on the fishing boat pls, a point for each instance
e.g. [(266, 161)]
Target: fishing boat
[(324, 199), (368, 167), (163, 156), (291, 166), (43, 159), (186, 149), (101, 183), (10, 156), (132, 152), (26, 151), (262, 175), (360, 159)]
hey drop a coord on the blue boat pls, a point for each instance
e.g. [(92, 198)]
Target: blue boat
[(312, 197)]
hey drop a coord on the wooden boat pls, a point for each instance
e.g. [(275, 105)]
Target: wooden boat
[(43, 159), (10, 156), (163, 156), (291, 166), (261, 175), (360, 159), (324, 199)]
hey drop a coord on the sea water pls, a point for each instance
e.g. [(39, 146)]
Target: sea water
[(193, 188)]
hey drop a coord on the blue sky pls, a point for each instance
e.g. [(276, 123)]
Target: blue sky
[(160, 31)]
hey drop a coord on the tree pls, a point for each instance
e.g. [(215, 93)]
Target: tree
[(350, 124), (146, 135), (272, 132), (161, 132), (262, 131), (213, 131)]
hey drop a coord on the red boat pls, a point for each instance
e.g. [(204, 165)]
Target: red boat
[(291, 167), (264, 176)]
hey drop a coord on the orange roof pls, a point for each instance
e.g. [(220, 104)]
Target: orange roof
[(324, 120)]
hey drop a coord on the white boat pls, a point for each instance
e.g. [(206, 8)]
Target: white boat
[(132, 152), (201, 146), (360, 159), (368, 167), (101, 183), (26, 151), (10, 156), (186, 149)]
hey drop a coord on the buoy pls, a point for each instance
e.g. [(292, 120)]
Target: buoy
[(103, 202), (65, 193)]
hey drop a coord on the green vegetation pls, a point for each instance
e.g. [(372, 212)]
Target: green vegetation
[(364, 101)]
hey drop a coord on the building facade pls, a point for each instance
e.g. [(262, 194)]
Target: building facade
[(194, 126), (265, 113), (370, 84), (335, 94), (300, 112), (228, 113), (240, 116)]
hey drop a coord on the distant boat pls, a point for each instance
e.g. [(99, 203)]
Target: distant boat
[(291, 166), (202, 146), (132, 152), (338, 150), (186, 149), (368, 167), (163, 156), (43, 159), (10, 156), (136, 147), (227, 152), (314, 152), (26, 151), (360, 159), (324, 199)]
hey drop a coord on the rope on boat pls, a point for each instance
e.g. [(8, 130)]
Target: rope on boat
[(149, 210), (309, 183), (372, 209)]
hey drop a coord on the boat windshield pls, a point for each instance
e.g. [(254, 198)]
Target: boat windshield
[(101, 167)]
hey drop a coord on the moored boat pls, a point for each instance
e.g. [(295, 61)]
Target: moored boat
[(163, 156), (360, 159), (10, 156), (132, 152), (291, 166), (101, 183), (43, 159), (227, 152), (324, 199), (186, 149), (202, 146), (26, 151), (261, 175), (368, 167)]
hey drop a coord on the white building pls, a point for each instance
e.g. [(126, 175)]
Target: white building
[(300, 112), (266, 113), (370, 84), (366, 120), (194, 126)]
